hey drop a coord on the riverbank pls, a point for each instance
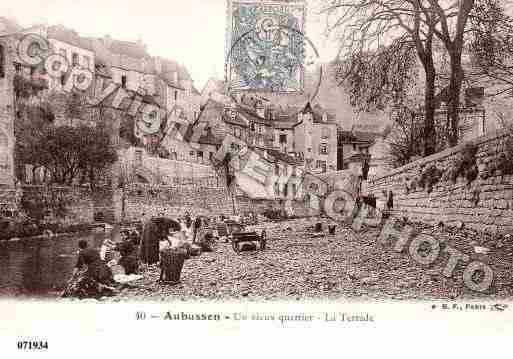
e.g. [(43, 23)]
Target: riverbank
[(300, 266)]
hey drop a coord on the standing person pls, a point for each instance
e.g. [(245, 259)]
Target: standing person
[(196, 228), (149, 253), (188, 220)]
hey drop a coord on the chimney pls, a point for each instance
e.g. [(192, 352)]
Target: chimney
[(158, 65)]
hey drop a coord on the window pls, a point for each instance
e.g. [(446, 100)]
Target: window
[(234, 146), (176, 95), (323, 148), (252, 126), (276, 188), (260, 128), (138, 156), (325, 133), (191, 153), (314, 187), (354, 147), (200, 154), (211, 155), (87, 62), (123, 81), (283, 138), (63, 79), (321, 165), (17, 68), (74, 59)]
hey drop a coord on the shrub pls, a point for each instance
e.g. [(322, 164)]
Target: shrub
[(465, 164), (504, 161), (429, 177)]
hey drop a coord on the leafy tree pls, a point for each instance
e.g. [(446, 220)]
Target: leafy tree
[(68, 152)]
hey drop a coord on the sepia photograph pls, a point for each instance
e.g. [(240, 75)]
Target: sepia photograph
[(257, 151)]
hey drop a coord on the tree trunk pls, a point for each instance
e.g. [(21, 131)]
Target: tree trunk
[(454, 97), (429, 110)]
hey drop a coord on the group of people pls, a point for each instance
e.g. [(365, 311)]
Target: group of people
[(160, 233), (93, 275)]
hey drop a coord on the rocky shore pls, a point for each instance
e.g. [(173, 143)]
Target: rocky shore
[(299, 265)]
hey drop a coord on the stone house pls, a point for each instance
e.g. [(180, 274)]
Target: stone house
[(216, 90), (315, 139), (7, 139), (177, 88)]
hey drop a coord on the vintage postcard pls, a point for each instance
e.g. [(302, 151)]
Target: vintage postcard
[(211, 168)]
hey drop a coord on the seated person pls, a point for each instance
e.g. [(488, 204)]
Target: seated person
[(91, 277), (128, 251), (89, 258)]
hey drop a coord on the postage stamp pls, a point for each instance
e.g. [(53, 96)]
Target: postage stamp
[(266, 46)]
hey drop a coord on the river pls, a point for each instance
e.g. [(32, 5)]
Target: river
[(41, 266)]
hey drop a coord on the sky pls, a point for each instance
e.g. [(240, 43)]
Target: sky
[(191, 32)]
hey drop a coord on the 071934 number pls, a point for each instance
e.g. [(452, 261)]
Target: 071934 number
[(32, 345)]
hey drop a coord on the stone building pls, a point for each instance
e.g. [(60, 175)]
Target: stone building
[(315, 139), (216, 90), (177, 88), (78, 51), (7, 139)]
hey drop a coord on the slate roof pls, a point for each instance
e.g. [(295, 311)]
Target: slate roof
[(234, 121), (69, 36), (220, 85), (283, 157), (252, 116), (357, 137), (136, 50), (167, 73), (317, 111), (209, 139)]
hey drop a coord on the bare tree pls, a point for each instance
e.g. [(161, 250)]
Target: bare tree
[(491, 46), (451, 26), (405, 138), (377, 40)]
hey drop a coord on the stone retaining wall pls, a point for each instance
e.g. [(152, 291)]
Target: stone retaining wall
[(145, 200), (71, 204), (486, 204)]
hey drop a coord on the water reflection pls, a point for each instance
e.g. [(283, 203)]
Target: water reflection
[(40, 266)]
